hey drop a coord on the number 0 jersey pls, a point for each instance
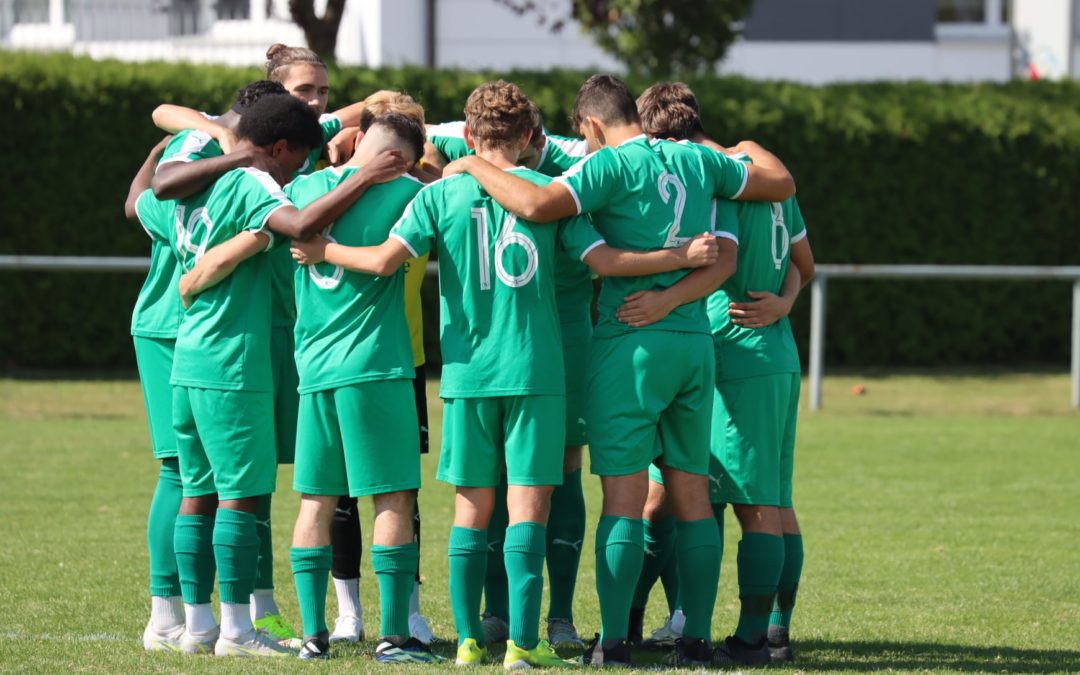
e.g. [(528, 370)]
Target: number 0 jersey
[(499, 325), (350, 326), (647, 195)]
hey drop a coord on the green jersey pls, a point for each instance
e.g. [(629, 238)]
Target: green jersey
[(499, 329), (224, 337), (647, 195), (573, 279), (158, 308), (766, 233), (189, 145), (351, 327)]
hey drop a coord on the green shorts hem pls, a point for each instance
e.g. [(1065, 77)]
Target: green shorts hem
[(367, 491)]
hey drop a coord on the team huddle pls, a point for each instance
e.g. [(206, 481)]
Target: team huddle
[(280, 323)]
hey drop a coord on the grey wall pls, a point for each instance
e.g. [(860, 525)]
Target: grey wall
[(845, 20)]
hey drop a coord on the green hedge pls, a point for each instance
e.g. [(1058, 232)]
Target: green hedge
[(887, 173)]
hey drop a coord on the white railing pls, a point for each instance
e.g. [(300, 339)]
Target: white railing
[(966, 272), (817, 292)]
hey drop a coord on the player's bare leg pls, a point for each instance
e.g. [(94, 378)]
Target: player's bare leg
[(565, 535)]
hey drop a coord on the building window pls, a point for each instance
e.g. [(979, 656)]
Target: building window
[(233, 10), (183, 17), (30, 11), (972, 18)]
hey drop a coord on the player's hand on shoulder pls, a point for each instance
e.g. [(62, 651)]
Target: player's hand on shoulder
[(643, 308), (455, 167), (701, 251), (340, 148), (387, 165), (156, 151), (766, 309), (310, 251)]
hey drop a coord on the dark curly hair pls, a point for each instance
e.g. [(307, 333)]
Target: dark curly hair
[(247, 95), (281, 116)]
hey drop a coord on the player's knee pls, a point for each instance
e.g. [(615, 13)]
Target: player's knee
[(625, 496), (757, 518), (402, 503), (656, 504), (203, 505)]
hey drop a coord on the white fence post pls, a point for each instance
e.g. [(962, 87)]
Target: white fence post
[(817, 338)]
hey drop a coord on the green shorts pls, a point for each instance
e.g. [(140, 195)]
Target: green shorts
[(226, 442), (154, 357), (358, 440), (522, 433), (753, 443), (286, 399), (650, 395), (576, 337)]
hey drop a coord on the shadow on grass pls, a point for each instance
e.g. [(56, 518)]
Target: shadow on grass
[(866, 656)]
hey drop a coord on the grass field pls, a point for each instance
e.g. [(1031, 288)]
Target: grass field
[(941, 521)]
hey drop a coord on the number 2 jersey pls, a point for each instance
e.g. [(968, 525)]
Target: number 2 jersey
[(499, 331)]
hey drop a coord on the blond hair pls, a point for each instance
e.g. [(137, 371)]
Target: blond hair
[(389, 101)]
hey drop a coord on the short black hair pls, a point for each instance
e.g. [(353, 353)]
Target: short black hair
[(606, 98), (405, 128), (247, 95), (281, 117)]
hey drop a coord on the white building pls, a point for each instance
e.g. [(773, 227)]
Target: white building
[(810, 41)]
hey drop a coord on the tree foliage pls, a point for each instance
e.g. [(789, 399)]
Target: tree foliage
[(321, 32), (653, 37)]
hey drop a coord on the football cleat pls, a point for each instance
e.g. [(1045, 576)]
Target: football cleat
[(664, 637), (734, 652), (412, 651), (163, 641), (470, 654), (348, 628), (276, 627), (495, 629), (691, 653), (314, 649), (255, 643), (617, 656), (562, 633), (419, 629), (540, 656), (780, 644), (200, 643)]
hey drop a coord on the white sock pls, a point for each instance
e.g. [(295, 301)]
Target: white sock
[(678, 621), (200, 618), (166, 613), (348, 597), (414, 599), (236, 620), (262, 603)]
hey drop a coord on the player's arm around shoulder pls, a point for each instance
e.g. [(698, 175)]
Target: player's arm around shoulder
[(220, 261), (535, 203), (608, 261), (141, 182), (767, 179)]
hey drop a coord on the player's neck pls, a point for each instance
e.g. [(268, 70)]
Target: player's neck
[(230, 119), (501, 158), (615, 136)]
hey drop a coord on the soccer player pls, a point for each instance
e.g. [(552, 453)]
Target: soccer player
[(756, 399), (649, 391), (222, 383), (550, 155), (154, 323), (345, 528), (357, 428), (502, 406)]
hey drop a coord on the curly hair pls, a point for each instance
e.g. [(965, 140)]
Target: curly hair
[(387, 101), (279, 58), (281, 116), (498, 114), (670, 110), (246, 96)]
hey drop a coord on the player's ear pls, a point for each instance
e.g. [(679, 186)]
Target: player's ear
[(281, 145), (359, 137), (525, 140), (469, 139)]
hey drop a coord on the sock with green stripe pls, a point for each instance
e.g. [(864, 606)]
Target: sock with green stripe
[(699, 552), (193, 543), (311, 574), (565, 534), (236, 552), (468, 562), (659, 547), (395, 569), (760, 560), (620, 548), (161, 530), (496, 598), (524, 554), (788, 587)]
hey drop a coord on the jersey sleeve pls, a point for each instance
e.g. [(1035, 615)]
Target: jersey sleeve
[(155, 215), (253, 199), (189, 146), (793, 216), (449, 140), (592, 181), (578, 237), (572, 147), (331, 125), (416, 227), (728, 176), (725, 219)]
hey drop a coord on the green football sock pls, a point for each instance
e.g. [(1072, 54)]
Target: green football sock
[(395, 569), (524, 555), (789, 581), (194, 546), (264, 573), (468, 562), (669, 579), (700, 550), (659, 545), (565, 534), (760, 559), (311, 574), (620, 547), (161, 530), (236, 551), (496, 599)]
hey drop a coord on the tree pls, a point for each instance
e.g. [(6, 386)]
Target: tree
[(320, 31), (656, 37)]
